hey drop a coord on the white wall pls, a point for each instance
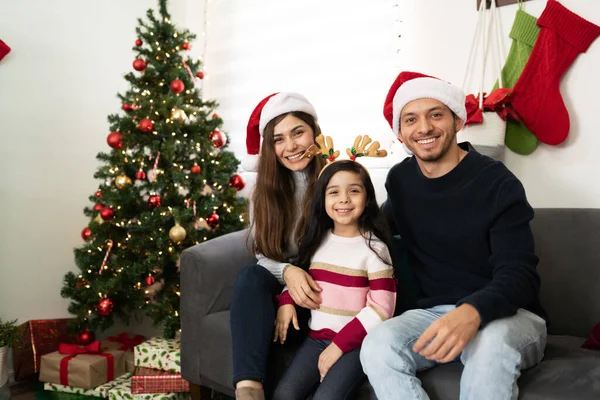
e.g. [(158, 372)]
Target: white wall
[(436, 40), (56, 88)]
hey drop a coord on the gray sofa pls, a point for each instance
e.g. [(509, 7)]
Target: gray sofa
[(567, 242)]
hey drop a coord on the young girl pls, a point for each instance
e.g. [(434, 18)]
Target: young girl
[(345, 250)]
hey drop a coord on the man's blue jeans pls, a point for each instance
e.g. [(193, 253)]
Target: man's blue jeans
[(492, 360)]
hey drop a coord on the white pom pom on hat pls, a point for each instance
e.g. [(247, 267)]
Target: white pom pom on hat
[(270, 107)]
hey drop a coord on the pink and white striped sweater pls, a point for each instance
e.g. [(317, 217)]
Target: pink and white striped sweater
[(359, 291)]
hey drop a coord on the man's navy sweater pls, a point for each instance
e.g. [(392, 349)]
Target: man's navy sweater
[(467, 234)]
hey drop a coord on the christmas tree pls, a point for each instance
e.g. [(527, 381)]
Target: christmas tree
[(166, 185)]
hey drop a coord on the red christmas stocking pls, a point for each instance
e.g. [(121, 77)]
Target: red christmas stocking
[(536, 96)]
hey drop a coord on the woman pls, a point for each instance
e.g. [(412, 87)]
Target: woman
[(287, 123)]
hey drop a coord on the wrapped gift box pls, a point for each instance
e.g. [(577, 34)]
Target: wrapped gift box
[(98, 391), (83, 368), (123, 391), (149, 380), (159, 353), (37, 338), (126, 343)]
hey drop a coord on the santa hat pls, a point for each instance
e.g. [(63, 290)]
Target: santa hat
[(271, 107), (410, 86)]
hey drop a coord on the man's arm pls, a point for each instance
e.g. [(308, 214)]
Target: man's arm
[(515, 280)]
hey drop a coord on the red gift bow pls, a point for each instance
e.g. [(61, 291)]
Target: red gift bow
[(498, 101), (74, 350), (127, 342)]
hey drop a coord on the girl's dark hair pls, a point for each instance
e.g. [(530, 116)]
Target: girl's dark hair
[(371, 223)]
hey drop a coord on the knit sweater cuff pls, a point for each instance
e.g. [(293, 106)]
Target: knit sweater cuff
[(525, 29), (284, 299), (579, 32)]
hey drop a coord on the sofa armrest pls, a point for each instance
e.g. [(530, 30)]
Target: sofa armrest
[(209, 271), (208, 274)]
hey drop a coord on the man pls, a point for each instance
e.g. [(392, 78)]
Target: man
[(465, 221)]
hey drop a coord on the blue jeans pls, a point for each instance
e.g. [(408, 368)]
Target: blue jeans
[(253, 312), (492, 360), (302, 377)]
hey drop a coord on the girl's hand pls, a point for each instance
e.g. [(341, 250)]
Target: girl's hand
[(303, 289), (328, 357), (285, 314)]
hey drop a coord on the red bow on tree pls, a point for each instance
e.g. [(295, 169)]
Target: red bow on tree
[(498, 101), (127, 342), (73, 349)]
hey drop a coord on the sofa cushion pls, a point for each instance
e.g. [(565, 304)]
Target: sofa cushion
[(567, 372)]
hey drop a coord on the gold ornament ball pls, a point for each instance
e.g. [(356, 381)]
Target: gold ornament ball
[(122, 181), (177, 233), (178, 115)]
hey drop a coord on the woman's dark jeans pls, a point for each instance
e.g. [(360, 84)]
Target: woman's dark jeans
[(253, 313)]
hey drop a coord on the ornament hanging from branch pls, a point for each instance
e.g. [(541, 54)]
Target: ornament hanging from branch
[(109, 243)]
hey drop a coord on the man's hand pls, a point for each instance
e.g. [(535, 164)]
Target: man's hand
[(448, 335), (303, 289), (328, 357), (285, 315)]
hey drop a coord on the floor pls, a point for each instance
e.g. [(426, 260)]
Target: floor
[(25, 390)]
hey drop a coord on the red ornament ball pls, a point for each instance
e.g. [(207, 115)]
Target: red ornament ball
[(177, 86), (98, 194), (105, 307), (237, 182), (149, 280), (114, 140), (80, 284), (127, 107), (154, 200), (146, 125), (215, 116), (139, 42), (212, 220), (218, 139), (200, 75), (140, 175), (195, 169), (86, 233), (107, 213), (185, 46), (85, 337), (98, 207), (139, 64)]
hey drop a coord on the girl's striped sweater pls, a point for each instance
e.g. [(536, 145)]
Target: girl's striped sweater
[(359, 291)]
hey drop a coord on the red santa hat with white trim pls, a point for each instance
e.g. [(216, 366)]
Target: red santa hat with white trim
[(410, 86), (271, 107)]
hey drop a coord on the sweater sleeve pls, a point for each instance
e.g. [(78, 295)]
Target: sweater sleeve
[(381, 301), (284, 298), (515, 282), (274, 267)]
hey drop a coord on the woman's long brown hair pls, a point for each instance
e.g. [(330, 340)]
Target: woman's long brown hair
[(274, 209)]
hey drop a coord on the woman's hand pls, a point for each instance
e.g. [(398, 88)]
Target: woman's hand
[(285, 315), (328, 357), (303, 289)]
